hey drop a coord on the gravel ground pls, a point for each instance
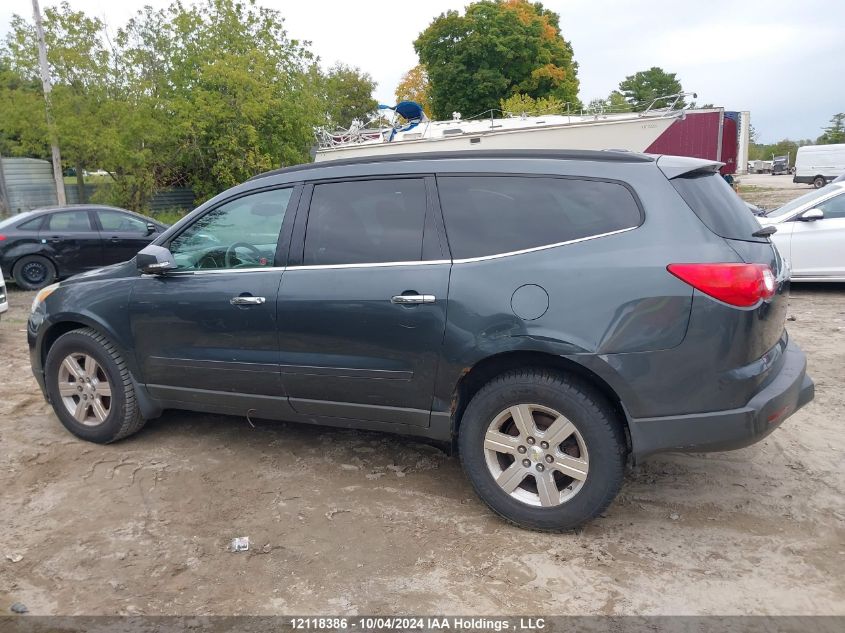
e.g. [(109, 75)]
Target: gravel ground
[(351, 522)]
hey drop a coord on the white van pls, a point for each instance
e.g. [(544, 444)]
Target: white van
[(819, 164)]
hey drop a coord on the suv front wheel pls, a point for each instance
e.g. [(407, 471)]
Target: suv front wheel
[(543, 450), (90, 388)]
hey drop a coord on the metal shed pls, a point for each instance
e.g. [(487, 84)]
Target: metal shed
[(25, 183)]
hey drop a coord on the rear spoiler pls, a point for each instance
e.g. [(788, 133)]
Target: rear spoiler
[(675, 166)]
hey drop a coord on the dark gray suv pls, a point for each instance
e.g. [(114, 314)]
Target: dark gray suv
[(548, 313)]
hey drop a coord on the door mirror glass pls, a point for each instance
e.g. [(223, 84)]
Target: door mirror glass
[(155, 260), (811, 215)]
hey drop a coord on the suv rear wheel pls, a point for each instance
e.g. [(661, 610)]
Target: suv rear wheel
[(90, 388), (544, 451)]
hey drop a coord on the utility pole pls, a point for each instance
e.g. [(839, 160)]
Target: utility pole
[(51, 126)]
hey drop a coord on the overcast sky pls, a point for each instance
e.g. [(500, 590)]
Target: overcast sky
[(784, 60)]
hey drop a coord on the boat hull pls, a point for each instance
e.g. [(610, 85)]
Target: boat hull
[(633, 134)]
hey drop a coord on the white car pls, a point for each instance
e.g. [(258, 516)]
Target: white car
[(811, 233), (4, 303)]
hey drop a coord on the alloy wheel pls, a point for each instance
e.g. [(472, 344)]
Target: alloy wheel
[(85, 389), (536, 455)]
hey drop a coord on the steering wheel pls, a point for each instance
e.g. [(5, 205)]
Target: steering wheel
[(230, 253)]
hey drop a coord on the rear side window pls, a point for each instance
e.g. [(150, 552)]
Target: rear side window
[(488, 215), (366, 221), (69, 221), (717, 205)]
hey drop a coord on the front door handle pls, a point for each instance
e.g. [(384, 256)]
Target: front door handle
[(406, 300), (247, 301)]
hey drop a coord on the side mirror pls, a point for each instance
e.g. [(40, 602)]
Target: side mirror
[(811, 215), (154, 260), (151, 228)]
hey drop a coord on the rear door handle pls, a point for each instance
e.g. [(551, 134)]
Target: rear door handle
[(247, 301), (406, 300)]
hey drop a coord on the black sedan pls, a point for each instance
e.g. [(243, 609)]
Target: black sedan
[(38, 247)]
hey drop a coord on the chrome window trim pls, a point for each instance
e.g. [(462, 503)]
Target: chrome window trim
[(482, 258), (370, 265), (467, 260)]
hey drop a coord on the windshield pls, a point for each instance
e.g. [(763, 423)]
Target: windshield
[(800, 201), (14, 219)]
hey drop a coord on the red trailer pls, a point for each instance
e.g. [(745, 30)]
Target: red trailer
[(712, 133)]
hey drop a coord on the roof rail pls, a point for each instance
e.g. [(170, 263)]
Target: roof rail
[(612, 156)]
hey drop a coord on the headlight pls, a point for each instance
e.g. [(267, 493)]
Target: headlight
[(42, 295)]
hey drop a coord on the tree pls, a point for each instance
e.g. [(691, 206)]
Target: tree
[(414, 86), (349, 95), (498, 48), (206, 96), (641, 88), (614, 103), (523, 104), (835, 132), (78, 62)]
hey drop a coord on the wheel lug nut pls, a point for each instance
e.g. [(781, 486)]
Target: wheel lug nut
[(521, 449), (550, 459), (544, 445), (526, 463), (531, 440), (540, 467), (79, 388)]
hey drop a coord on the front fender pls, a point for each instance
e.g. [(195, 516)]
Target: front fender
[(102, 305)]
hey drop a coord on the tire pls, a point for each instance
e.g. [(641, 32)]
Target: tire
[(819, 182), (33, 272), (114, 416), (596, 437)]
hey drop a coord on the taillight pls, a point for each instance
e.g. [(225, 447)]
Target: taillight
[(741, 285), (2, 237)]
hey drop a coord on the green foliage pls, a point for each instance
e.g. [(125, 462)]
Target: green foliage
[(615, 102), (349, 95), (204, 96), (641, 88), (835, 132), (498, 48), (525, 104), (762, 151)]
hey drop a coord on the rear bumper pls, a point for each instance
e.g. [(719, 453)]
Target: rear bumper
[(726, 430)]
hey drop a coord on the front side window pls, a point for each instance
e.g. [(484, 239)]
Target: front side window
[(366, 221), (242, 233), (123, 222), (69, 221), (834, 208), (489, 215)]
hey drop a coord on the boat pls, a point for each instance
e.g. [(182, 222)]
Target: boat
[(414, 132)]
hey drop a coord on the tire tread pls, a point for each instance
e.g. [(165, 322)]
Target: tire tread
[(591, 399)]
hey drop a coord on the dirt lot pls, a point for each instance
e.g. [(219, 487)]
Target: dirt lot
[(352, 522), (769, 191)]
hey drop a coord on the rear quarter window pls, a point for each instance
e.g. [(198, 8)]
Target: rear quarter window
[(490, 215), (717, 205)]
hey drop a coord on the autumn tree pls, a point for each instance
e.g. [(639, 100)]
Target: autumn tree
[(414, 86), (496, 49)]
